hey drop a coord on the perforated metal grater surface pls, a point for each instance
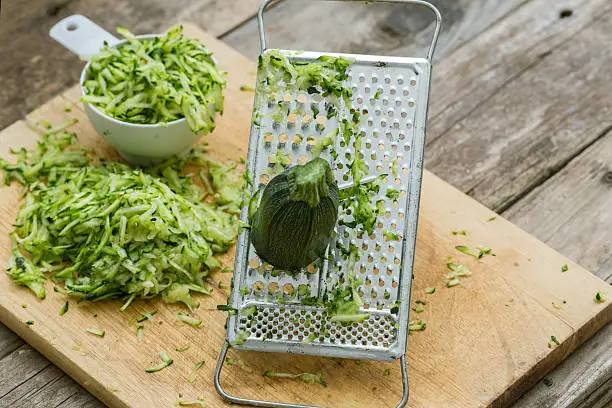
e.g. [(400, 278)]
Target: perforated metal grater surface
[(391, 93)]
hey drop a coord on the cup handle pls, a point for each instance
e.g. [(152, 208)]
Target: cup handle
[(81, 36)]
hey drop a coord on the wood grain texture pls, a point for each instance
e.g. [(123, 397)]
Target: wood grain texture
[(34, 68), (535, 123), (583, 380), (385, 29), (513, 349), (571, 211)]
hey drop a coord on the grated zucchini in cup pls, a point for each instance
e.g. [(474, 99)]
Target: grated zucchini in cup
[(156, 80), (107, 230)]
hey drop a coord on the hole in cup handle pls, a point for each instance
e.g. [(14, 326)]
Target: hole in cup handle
[(72, 26)]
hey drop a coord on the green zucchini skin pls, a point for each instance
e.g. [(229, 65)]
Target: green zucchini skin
[(290, 234)]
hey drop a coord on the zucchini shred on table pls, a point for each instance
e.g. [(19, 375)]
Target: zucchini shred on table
[(107, 230)]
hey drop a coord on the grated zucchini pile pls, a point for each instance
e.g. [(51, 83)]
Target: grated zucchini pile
[(157, 81), (107, 230)]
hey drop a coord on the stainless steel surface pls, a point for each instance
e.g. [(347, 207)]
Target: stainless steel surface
[(434, 10), (392, 94)]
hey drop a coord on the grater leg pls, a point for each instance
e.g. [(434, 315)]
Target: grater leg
[(270, 404), (404, 367)]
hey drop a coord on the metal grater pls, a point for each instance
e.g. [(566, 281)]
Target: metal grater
[(392, 95)]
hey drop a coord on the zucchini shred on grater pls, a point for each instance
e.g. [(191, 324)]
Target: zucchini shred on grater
[(379, 122)]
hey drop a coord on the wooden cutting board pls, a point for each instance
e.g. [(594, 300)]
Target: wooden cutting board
[(486, 342)]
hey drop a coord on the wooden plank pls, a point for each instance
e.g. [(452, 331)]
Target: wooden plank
[(82, 399), (571, 211), (584, 379), (386, 29), (511, 337), (8, 342), (534, 124), (18, 367), (34, 68)]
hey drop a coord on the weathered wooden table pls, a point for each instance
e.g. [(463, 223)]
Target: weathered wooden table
[(520, 119)]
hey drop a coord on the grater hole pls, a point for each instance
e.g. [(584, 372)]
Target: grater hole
[(411, 104), (404, 170), (311, 140), (302, 98), (387, 79), (321, 120), (406, 147), (374, 79), (268, 137), (288, 289), (292, 119), (302, 159), (413, 82), (263, 179), (312, 268), (258, 287), (254, 263), (306, 120), (400, 80), (283, 138), (392, 91), (405, 92)]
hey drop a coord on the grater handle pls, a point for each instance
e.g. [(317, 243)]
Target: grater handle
[(272, 404), (262, 31)]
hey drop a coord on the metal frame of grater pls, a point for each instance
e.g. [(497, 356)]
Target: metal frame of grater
[(392, 93)]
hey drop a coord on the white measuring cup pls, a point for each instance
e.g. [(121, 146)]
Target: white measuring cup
[(139, 144)]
